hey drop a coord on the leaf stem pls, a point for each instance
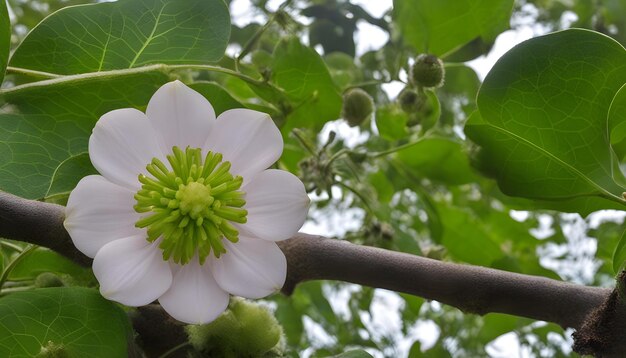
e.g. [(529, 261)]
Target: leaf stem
[(11, 245), (54, 79), (174, 349), (5, 274), (335, 156), (31, 73), (394, 149), (253, 40), (368, 208)]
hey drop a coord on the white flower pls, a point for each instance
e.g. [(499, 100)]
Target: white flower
[(186, 210)]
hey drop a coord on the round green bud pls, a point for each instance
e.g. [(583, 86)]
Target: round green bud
[(246, 329), (428, 71), (357, 106), (48, 279), (410, 101)]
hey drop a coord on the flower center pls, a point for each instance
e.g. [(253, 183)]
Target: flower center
[(192, 206)]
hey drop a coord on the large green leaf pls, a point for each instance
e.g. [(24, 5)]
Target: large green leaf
[(126, 34), (619, 255), (391, 122), (44, 130), (43, 260), (440, 27), (74, 322), (5, 38), (617, 123), (439, 159), (466, 239), (304, 77), (220, 99), (542, 125)]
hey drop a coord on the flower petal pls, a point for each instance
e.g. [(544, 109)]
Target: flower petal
[(121, 145), (248, 139), (181, 116), (99, 212), (250, 268), (194, 296), (277, 205), (132, 271)]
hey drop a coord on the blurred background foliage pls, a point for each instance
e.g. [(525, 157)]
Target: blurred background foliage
[(399, 178)]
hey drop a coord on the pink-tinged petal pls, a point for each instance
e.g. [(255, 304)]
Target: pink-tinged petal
[(194, 296), (250, 268), (277, 205), (99, 212), (121, 145), (132, 271), (181, 116), (248, 139)]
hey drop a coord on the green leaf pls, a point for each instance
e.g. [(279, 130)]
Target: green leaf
[(466, 239), (126, 34), (44, 130), (459, 90), (384, 188), (68, 173), (440, 27), (43, 260), (291, 320), (619, 255), (608, 235), (77, 319), (439, 159), (497, 324), (304, 77), (542, 126), (391, 122), (617, 123), (220, 99), (5, 38), (342, 69)]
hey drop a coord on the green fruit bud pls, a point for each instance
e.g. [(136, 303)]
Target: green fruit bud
[(428, 71), (357, 106), (246, 329), (410, 101), (48, 279)]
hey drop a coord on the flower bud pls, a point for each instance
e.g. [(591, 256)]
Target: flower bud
[(428, 71), (357, 106), (410, 101), (246, 329)]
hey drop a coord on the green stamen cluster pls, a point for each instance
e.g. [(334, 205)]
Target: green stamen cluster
[(192, 205)]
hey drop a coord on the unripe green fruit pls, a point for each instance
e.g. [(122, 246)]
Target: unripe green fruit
[(428, 71), (48, 279), (410, 101), (357, 106), (246, 329)]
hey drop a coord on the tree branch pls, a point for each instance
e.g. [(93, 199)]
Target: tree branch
[(37, 223), (472, 289)]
